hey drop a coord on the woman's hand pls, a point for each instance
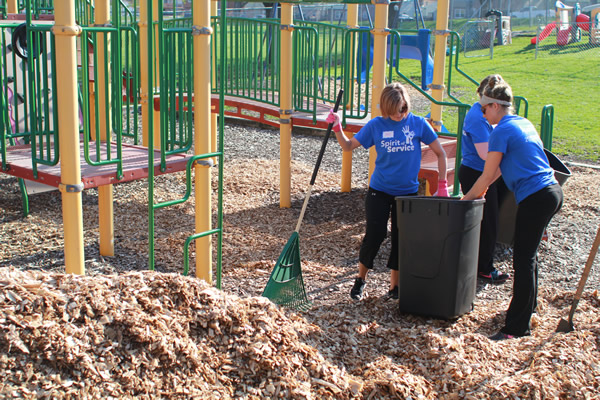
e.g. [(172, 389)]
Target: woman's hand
[(334, 118), (491, 172), (442, 190)]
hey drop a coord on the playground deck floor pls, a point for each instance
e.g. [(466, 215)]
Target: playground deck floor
[(135, 166)]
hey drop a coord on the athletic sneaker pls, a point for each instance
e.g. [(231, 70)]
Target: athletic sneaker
[(357, 290), (546, 237), (392, 293), (494, 277), (501, 336)]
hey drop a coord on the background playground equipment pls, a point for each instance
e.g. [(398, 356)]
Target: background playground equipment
[(590, 23), (502, 31), (409, 46), (570, 24), (551, 40)]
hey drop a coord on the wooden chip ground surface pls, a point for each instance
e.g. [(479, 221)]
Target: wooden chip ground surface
[(122, 331)]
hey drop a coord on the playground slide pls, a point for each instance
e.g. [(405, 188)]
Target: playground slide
[(414, 47), (547, 30)]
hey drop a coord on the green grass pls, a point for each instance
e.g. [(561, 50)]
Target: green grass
[(567, 78)]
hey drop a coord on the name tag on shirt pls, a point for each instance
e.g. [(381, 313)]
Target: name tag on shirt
[(388, 134)]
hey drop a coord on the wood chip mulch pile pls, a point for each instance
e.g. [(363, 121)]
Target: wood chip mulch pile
[(124, 332)]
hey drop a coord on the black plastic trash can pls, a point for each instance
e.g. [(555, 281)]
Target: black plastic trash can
[(507, 205), (438, 250)]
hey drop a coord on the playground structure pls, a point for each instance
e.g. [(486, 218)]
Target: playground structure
[(502, 31), (100, 71), (90, 65), (591, 24), (570, 23)]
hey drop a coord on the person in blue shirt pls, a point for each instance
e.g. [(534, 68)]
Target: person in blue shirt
[(397, 136), (476, 133), (516, 151)]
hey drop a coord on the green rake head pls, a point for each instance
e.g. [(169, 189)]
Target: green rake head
[(285, 286)]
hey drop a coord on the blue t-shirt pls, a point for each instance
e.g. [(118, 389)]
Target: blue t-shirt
[(524, 165), (398, 146), (476, 129)]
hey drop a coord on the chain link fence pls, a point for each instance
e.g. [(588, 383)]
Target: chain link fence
[(556, 39), (478, 38)]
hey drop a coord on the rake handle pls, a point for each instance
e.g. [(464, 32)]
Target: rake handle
[(584, 276), (319, 159), (326, 138)]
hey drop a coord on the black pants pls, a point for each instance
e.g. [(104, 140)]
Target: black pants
[(489, 224), (533, 215), (378, 206)]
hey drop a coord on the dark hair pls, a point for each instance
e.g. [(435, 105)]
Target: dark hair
[(485, 82), (394, 98), (498, 89)]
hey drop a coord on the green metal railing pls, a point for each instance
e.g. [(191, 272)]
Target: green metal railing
[(84, 12), (37, 7), (98, 150), (305, 79), (176, 95), (130, 68), (41, 96), (252, 49), (324, 56), (547, 126)]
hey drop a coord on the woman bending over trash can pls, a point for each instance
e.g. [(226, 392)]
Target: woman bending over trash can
[(515, 150), (397, 136), (476, 133)]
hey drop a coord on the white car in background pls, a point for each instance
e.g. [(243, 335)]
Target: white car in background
[(535, 12)]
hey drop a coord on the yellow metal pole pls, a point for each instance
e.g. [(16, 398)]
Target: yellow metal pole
[(437, 85), (103, 90), (12, 7), (157, 61), (214, 11), (285, 104), (346, 184), (202, 32), (71, 187), (145, 97), (380, 33)]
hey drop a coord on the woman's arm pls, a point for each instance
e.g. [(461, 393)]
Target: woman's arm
[(345, 143), (491, 172), (438, 150), (482, 150)]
